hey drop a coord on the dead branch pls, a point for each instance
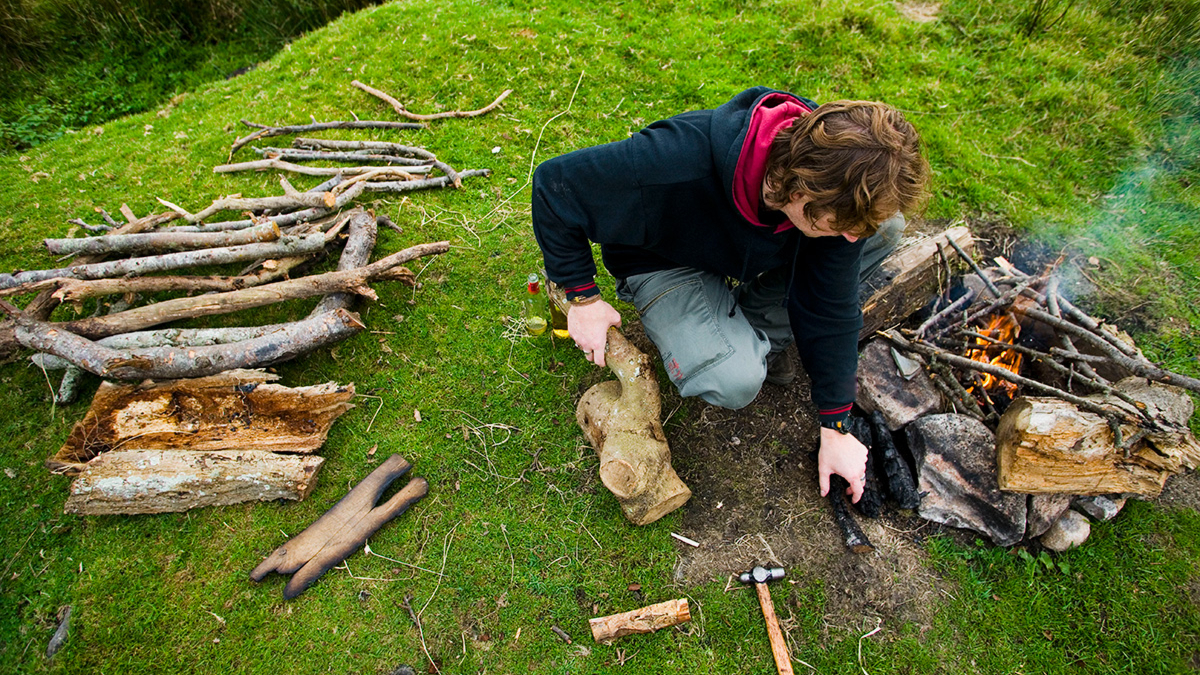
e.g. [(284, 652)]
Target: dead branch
[(291, 199), (354, 280), (161, 242), (265, 131), (1137, 366), (288, 342), (298, 155), (166, 337), (285, 246), (400, 110), (953, 307), (282, 165), (360, 241), (427, 183), (975, 266), (383, 147)]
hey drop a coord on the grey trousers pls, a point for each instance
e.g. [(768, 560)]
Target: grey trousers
[(714, 341)]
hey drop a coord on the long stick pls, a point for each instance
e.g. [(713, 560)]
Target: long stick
[(427, 183), (383, 147), (265, 131), (279, 164), (287, 246), (400, 110), (160, 242)]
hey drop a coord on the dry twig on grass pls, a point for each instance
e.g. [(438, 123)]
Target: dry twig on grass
[(401, 111)]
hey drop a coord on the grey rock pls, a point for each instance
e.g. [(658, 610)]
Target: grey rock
[(1069, 531), (882, 387), (1042, 511), (956, 472), (1099, 507)]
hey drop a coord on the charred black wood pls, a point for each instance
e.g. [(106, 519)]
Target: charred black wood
[(896, 475), (871, 502), (852, 534)]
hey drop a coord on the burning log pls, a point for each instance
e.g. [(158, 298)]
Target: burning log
[(166, 481), (622, 420), (905, 281), (240, 409)]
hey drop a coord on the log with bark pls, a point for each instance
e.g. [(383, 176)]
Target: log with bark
[(238, 409), (905, 281), (343, 528), (1047, 445), (647, 619), (622, 420), (130, 482), (264, 131), (162, 242)]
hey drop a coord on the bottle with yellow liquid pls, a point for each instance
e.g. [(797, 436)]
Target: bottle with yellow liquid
[(534, 307), (558, 321)]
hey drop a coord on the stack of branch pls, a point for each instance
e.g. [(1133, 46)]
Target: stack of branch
[(1095, 416), (274, 249)]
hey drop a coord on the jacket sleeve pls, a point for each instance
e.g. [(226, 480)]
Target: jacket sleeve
[(826, 318), (598, 194)]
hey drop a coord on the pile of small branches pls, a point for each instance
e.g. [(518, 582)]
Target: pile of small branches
[(275, 241), (1081, 348)]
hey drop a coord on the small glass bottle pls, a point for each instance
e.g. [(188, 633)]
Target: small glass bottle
[(534, 307), (558, 321)]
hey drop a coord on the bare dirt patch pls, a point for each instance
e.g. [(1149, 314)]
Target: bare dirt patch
[(755, 501), (921, 12)]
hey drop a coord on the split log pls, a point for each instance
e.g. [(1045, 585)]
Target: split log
[(1047, 445), (286, 246), (648, 619), (287, 343), (162, 242), (905, 281), (401, 111), (343, 528), (167, 481), (354, 280), (239, 409), (622, 420), (265, 131)]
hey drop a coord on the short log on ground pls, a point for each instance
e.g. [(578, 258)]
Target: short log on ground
[(239, 409), (648, 619), (167, 481), (906, 280), (1048, 445)]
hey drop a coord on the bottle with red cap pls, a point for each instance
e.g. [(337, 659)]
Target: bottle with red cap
[(534, 306)]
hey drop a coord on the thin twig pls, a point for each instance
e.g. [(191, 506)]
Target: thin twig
[(401, 111), (975, 266)]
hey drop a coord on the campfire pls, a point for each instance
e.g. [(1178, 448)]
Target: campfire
[(1016, 405)]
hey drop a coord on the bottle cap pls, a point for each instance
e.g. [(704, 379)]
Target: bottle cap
[(532, 281)]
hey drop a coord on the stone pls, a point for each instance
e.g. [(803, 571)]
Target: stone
[(956, 473), (1042, 511), (1099, 507), (1069, 531), (882, 386)]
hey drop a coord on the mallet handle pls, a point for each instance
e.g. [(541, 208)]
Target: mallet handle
[(783, 662)]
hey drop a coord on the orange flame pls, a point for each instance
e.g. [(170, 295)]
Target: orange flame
[(1005, 328)]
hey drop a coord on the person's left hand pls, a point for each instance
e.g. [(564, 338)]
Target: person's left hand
[(843, 455)]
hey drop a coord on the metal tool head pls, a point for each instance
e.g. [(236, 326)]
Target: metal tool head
[(761, 575)]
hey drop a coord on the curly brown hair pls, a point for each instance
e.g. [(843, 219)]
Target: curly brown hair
[(859, 161)]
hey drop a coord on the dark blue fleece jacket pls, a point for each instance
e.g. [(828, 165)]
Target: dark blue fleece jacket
[(663, 198)]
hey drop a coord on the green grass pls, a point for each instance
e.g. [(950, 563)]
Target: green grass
[(1055, 134)]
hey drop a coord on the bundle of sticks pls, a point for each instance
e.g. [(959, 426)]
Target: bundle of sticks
[(118, 345), (278, 236), (1082, 355)]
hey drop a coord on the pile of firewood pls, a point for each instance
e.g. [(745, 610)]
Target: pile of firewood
[(275, 240)]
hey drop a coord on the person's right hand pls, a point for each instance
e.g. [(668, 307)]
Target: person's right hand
[(588, 325)]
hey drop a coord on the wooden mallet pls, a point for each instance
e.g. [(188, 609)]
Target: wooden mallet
[(759, 576)]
